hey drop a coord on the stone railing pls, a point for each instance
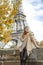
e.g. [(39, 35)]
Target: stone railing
[(35, 58)]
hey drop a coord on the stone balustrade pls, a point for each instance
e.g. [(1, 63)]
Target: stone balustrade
[(35, 58)]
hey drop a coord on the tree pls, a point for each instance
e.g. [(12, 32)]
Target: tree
[(7, 13), (41, 43)]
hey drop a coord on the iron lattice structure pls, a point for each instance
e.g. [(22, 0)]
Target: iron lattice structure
[(20, 19)]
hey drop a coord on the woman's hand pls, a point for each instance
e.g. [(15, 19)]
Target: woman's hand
[(37, 46)]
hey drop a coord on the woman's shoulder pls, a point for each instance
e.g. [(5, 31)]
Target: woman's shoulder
[(31, 33)]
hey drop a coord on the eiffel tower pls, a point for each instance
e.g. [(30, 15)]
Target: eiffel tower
[(20, 21)]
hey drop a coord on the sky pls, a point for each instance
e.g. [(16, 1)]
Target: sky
[(33, 9)]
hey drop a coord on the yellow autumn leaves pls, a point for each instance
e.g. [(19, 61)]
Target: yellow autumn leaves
[(8, 10), (7, 13)]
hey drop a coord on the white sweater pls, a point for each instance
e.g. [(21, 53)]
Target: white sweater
[(27, 42)]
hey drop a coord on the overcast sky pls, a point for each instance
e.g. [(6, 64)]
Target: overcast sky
[(33, 9)]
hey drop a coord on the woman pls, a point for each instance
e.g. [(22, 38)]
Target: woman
[(27, 38)]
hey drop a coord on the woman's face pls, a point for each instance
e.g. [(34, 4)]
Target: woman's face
[(26, 29)]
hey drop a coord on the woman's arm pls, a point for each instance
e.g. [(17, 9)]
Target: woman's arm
[(21, 38), (34, 40), (23, 45)]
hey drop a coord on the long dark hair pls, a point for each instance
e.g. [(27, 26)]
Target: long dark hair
[(24, 33)]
